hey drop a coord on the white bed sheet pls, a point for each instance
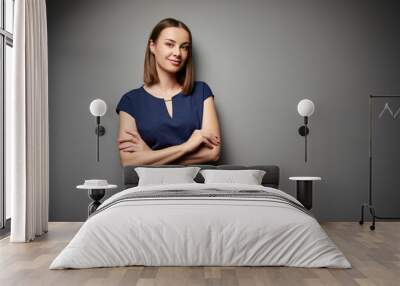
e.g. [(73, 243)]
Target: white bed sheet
[(202, 232)]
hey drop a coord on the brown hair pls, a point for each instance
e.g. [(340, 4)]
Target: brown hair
[(185, 76)]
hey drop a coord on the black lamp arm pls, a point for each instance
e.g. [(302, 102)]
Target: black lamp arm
[(100, 131), (304, 131)]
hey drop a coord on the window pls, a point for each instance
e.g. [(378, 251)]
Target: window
[(6, 46)]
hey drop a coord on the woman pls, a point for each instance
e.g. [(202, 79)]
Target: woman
[(170, 119)]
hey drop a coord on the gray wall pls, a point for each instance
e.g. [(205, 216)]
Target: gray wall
[(259, 57)]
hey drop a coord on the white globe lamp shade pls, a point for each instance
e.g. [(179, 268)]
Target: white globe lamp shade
[(98, 107), (305, 107)]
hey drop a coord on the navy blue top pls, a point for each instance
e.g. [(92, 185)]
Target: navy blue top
[(156, 127)]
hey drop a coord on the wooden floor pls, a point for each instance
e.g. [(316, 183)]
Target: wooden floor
[(375, 257)]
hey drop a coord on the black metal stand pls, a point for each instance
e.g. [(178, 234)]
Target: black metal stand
[(369, 205), (96, 195), (304, 193)]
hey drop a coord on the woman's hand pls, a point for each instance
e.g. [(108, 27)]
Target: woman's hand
[(132, 142), (199, 137)]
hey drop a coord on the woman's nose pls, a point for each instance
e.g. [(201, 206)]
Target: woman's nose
[(177, 51)]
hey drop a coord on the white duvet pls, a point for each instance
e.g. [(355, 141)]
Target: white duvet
[(200, 231)]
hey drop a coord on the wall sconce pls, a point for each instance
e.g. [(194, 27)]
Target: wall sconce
[(98, 108), (305, 108)]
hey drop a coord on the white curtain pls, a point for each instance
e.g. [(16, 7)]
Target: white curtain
[(27, 137)]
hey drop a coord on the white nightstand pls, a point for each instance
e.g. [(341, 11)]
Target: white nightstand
[(304, 189), (96, 191)]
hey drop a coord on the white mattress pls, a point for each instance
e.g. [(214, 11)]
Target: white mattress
[(200, 231)]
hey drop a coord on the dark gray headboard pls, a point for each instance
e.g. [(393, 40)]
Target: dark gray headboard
[(271, 177)]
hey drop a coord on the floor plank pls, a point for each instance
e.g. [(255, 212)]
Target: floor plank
[(375, 257)]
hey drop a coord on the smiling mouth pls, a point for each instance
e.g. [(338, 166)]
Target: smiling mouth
[(175, 62)]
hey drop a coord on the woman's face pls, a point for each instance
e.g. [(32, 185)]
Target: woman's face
[(171, 49)]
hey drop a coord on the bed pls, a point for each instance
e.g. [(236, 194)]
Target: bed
[(201, 224)]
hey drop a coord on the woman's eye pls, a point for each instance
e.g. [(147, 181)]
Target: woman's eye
[(169, 44), (186, 48)]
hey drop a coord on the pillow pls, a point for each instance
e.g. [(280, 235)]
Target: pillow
[(250, 177), (162, 176)]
